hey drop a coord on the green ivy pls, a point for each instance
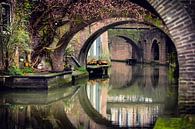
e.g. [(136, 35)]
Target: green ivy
[(13, 70), (27, 70), (133, 34), (81, 69), (175, 123), (156, 21)]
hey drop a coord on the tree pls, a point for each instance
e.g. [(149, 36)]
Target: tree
[(14, 37), (48, 15)]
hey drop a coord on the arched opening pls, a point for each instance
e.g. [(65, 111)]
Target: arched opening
[(178, 31), (117, 46), (155, 51), (82, 56), (135, 49), (99, 48), (178, 26)]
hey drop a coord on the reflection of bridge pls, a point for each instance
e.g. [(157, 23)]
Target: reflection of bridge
[(129, 75), (23, 109), (22, 97), (123, 110), (128, 99), (134, 115)]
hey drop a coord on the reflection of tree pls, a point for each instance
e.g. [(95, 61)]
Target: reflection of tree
[(36, 116)]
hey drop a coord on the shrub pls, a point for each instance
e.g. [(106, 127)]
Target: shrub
[(13, 70), (27, 70), (81, 69)]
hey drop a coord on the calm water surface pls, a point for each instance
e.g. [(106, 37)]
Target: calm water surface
[(132, 97)]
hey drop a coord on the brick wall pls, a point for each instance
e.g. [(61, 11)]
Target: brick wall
[(189, 6), (181, 30), (179, 17), (120, 49), (147, 40)]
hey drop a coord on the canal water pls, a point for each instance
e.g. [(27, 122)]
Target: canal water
[(132, 97)]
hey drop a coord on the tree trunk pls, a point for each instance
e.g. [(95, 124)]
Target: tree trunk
[(57, 60), (6, 61), (16, 57)]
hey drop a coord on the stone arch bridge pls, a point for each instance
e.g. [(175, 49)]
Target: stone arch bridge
[(178, 17)]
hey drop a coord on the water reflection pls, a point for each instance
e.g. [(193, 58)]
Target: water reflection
[(128, 99), (136, 95)]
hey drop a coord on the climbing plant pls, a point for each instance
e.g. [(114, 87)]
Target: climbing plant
[(16, 35), (134, 34)]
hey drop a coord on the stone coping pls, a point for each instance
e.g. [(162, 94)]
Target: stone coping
[(98, 66), (38, 75)]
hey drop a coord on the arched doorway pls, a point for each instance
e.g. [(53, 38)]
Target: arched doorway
[(155, 51)]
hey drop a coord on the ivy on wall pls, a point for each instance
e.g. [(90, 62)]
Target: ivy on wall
[(132, 33)]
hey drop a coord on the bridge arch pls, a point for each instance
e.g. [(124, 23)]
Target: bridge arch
[(180, 26), (136, 48), (180, 30), (82, 56)]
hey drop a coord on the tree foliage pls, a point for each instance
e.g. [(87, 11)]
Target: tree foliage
[(15, 36), (48, 15)]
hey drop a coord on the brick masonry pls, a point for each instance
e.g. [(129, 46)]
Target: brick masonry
[(120, 49), (180, 23), (179, 20), (179, 17), (148, 38)]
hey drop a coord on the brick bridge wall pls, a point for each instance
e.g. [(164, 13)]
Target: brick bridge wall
[(189, 6), (81, 37), (120, 49), (181, 29), (147, 40)]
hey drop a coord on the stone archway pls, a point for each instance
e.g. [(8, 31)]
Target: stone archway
[(180, 30), (85, 46), (136, 51)]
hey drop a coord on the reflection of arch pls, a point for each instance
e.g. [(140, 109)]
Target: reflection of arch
[(115, 77), (155, 51), (91, 112), (171, 20), (155, 76), (85, 48), (136, 71)]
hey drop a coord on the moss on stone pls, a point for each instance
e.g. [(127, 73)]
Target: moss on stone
[(176, 123)]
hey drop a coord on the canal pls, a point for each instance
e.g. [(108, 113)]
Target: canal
[(132, 97)]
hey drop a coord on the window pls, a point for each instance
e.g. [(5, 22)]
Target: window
[(5, 15)]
